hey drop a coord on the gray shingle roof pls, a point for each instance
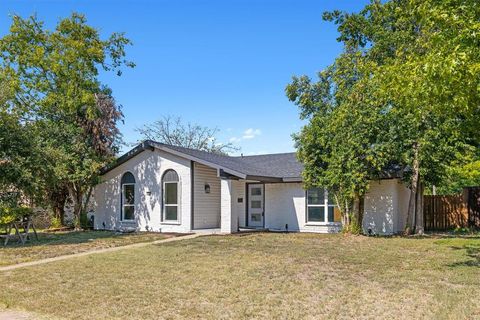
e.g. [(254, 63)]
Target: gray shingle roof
[(280, 165), (276, 166)]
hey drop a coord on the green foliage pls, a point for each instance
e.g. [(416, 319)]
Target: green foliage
[(61, 118), (463, 173), (84, 221), (354, 227), (404, 91), (10, 214), (55, 222)]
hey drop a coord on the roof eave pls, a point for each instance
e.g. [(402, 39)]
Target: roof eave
[(292, 179), (263, 178)]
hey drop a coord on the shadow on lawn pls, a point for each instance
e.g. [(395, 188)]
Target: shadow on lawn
[(63, 238), (473, 252)]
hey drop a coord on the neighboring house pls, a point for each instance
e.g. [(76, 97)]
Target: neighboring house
[(159, 187)]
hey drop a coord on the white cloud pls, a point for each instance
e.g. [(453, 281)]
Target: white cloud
[(251, 133), (248, 134)]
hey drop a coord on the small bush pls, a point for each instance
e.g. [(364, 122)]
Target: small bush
[(85, 223), (463, 230), (56, 222), (10, 214)]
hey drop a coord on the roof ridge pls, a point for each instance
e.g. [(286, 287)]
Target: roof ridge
[(192, 149), (264, 154)]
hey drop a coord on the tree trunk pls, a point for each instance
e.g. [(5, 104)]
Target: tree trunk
[(358, 211), (57, 200), (413, 190), (419, 229), (76, 194)]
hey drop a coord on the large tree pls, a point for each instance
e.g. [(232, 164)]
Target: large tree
[(56, 91), (173, 131), (414, 66)]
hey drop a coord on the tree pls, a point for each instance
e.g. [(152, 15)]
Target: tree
[(56, 92), (173, 131), (344, 144), (414, 65), (465, 172)]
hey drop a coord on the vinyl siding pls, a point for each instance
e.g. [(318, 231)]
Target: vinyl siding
[(206, 205)]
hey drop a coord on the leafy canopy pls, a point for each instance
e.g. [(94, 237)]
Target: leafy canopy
[(56, 93), (403, 93)]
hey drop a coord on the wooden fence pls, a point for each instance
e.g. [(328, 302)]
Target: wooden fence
[(452, 211)]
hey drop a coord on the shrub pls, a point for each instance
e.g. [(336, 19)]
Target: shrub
[(10, 214), (85, 223), (55, 222)]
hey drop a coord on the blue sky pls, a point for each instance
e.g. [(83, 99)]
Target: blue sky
[(221, 64)]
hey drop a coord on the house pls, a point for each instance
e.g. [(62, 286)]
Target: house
[(159, 187)]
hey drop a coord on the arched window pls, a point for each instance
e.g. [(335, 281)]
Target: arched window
[(128, 197), (171, 192)]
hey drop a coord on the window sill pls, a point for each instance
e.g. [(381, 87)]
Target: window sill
[(316, 224), (176, 223), (129, 221)]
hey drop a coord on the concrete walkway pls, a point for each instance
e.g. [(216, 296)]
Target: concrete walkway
[(87, 253), (17, 315)]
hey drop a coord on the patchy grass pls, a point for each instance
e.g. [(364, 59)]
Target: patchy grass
[(259, 275), (61, 243)]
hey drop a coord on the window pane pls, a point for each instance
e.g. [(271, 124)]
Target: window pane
[(129, 194), (171, 193), (256, 191), (316, 214), (128, 213), (331, 213), (171, 213), (256, 204), (316, 196)]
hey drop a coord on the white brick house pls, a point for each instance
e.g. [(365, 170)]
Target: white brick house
[(164, 188)]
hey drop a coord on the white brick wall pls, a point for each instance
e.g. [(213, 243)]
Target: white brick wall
[(148, 168), (226, 225), (285, 204), (386, 203), (231, 209)]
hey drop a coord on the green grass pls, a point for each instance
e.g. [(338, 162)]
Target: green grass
[(61, 243), (261, 275)]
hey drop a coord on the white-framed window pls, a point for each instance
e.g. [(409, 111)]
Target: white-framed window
[(128, 197), (171, 196), (321, 207)]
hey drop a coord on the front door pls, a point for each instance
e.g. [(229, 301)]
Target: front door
[(255, 205)]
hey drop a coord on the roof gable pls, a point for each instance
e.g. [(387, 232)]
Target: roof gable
[(276, 167)]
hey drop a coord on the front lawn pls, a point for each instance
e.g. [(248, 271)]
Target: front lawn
[(259, 275), (62, 243)]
